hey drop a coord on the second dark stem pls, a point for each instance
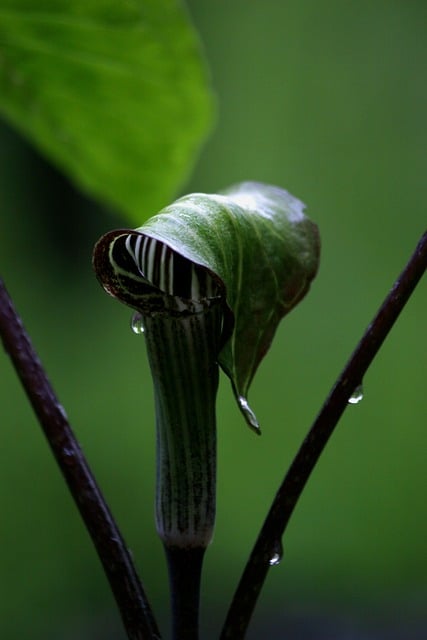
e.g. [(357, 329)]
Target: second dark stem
[(289, 492)]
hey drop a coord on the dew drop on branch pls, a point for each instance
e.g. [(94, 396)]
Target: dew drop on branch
[(357, 395), (137, 324), (277, 554)]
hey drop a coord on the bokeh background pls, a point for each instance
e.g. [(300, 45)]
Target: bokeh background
[(327, 99)]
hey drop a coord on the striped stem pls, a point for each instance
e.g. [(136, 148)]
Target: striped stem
[(182, 351)]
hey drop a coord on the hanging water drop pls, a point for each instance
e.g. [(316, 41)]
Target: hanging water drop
[(357, 395), (275, 559), (277, 554), (137, 323), (250, 417)]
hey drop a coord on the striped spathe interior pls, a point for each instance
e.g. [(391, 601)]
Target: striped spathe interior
[(138, 258)]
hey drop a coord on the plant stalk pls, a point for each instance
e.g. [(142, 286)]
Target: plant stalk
[(185, 570)]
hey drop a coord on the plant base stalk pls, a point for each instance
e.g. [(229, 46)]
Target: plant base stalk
[(185, 568)]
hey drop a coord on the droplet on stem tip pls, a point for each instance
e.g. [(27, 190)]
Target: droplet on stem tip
[(357, 395)]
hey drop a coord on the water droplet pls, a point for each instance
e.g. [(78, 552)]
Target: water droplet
[(277, 554), (275, 559), (250, 417), (357, 395), (137, 323)]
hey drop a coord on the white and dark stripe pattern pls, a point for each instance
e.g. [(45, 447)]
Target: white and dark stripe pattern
[(158, 265)]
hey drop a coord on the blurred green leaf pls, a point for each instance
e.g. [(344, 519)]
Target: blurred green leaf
[(258, 245), (115, 93)]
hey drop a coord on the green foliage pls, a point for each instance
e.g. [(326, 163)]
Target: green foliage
[(113, 92), (264, 251), (326, 99)]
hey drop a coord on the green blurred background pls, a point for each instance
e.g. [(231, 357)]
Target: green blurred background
[(326, 99)]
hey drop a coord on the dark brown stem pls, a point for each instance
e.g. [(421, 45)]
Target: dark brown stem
[(134, 608), (185, 569), (256, 570)]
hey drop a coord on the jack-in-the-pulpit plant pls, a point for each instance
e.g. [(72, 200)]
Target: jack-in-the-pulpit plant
[(209, 278)]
